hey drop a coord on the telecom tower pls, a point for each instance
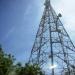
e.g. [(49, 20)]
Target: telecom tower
[(53, 45)]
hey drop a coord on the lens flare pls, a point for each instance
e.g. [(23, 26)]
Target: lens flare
[(53, 66)]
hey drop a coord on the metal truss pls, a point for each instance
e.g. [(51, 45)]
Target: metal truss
[(53, 44)]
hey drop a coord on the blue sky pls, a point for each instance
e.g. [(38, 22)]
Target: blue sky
[(19, 21)]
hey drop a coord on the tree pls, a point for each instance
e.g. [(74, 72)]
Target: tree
[(7, 67), (31, 70), (6, 61)]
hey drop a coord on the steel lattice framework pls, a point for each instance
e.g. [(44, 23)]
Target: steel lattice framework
[(53, 44)]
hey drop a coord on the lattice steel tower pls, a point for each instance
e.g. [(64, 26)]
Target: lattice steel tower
[(53, 45)]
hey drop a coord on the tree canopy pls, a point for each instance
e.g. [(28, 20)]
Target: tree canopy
[(29, 69), (7, 66), (6, 61)]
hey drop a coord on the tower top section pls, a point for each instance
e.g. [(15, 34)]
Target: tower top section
[(47, 3)]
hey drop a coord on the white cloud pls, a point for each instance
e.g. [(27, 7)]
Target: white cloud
[(11, 30), (27, 11), (67, 9)]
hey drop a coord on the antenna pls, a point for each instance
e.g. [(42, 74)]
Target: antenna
[(52, 44)]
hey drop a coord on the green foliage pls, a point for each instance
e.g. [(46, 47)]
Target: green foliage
[(7, 67), (6, 61), (31, 70)]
